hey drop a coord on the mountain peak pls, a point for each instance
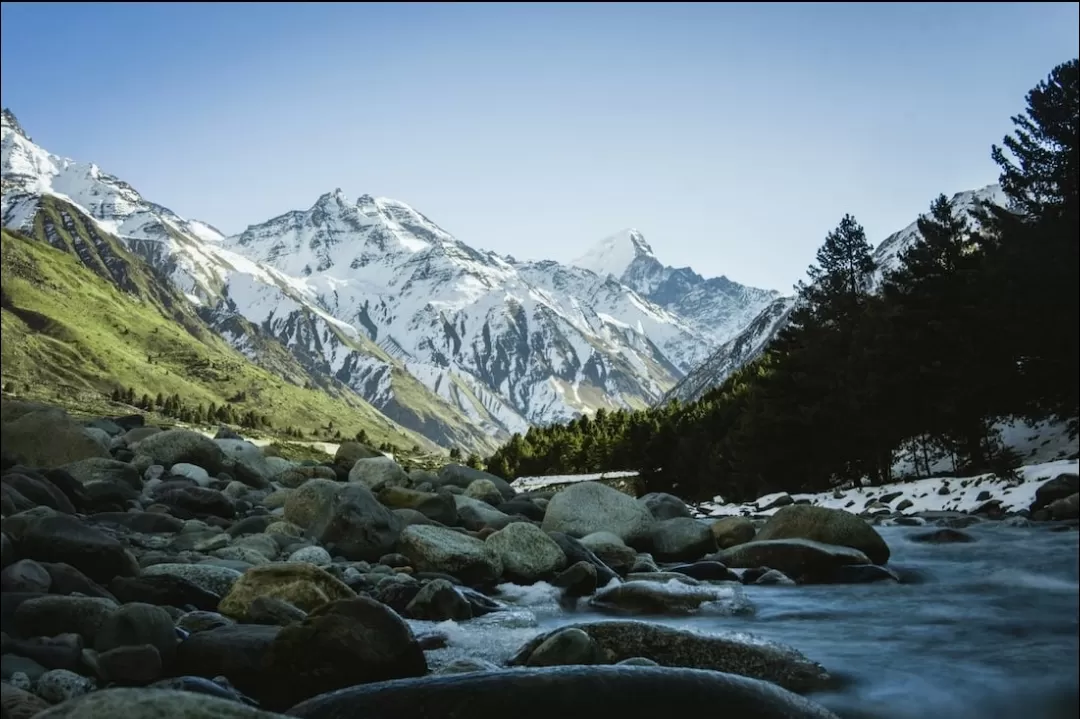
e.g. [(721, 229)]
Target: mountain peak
[(614, 254), (10, 122)]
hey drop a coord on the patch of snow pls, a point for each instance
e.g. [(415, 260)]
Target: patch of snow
[(525, 484)]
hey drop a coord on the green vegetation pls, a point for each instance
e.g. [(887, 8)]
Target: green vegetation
[(73, 337), (979, 323)]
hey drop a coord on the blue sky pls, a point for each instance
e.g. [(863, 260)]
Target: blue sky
[(733, 136)]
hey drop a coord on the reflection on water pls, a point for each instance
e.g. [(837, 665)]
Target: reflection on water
[(986, 630)]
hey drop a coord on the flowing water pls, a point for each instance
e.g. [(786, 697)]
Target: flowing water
[(986, 630)]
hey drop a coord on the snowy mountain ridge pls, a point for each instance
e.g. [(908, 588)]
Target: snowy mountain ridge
[(457, 343)]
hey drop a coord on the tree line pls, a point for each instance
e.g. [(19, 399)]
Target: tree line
[(977, 322)]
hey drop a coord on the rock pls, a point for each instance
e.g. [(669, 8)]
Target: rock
[(589, 507), (144, 522), (439, 507), (611, 551), (303, 585), (802, 559), (130, 664), (1067, 508), (145, 703), (1060, 487), (271, 610), (66, 579), (527, 554), (17, 703), (462, 476), (136, 624), (828, 526), (438, 601), (246, 462), (38, 490), (467, 664), (49, 615), (573, 692), (177, 446), (706, 570), (47, 438), (209, 578), (63, 538), (196, 474), (681, 539), (664, 506), (375, 473), (942, 536), (58, 685), (237, 652), (904, 504), (7, 555), (673, 597), (311, 555), (730, 531), (579, 579), (566, 646), (26, 575), (435, 549), (354, 524), (348, 452), (773, 501), (102, 469), (163, 590), (348, 642), (196, 501), (60, 652), (476, 515), (771, 577), (484, 490), (860, 574), (575, 551), (296, 476), (522, 507), (734, 653)]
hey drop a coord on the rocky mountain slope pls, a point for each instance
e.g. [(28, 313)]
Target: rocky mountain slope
[(749, 342), (460, 345)]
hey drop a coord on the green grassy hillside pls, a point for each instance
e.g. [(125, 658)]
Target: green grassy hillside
[(72, 337)]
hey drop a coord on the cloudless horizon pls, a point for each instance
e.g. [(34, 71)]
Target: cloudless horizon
[(733, 136)]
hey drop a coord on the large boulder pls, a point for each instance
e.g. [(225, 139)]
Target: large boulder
[(145, 703), (573, 692), (436, 549), (681, 539), (664, 506), (63, 538), (303, 585), (729, 531), (1059, 487), (181, 445), (828, 526), (734, 653), (800, 559), (45, 437), (673, 597), (348, 452), (375, 473), (246, 462), (355, 525), (341, 644), (589, 507), (527, 554)]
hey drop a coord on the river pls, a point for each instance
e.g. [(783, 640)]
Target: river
[(985, 630)]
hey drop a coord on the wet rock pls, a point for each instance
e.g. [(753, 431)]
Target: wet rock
[(730, 531), (611, 551), (349, 642), (942, 536), (860, 574), (435, 549), (302, 585), (681, 539), (578, 580), (828, 526), (566, 646), (589, 507), (438, 601), (769, 577), (706, 570), (1067, 508), (574, 692), (670, 598), (802, 559), (466, 665), (575, 552), (527, 554)]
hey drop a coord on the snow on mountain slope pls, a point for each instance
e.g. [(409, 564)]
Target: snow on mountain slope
[(228, 285), (530, 342), (748, 344), (715, 308)]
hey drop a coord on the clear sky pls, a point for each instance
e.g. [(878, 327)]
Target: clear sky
[(734, 136)]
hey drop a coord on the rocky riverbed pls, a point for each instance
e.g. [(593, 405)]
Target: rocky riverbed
[(149, 573)]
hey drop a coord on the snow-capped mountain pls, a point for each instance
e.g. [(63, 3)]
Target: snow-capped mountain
[(749, 343), (717, 308), (459, 344)]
